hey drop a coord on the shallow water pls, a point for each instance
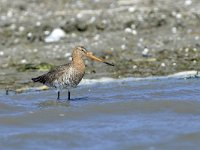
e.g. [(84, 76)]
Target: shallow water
[(151, 113)]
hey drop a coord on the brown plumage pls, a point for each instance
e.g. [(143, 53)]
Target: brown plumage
[(68, 75)]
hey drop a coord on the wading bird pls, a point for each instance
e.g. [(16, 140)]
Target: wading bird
[(68, 75)]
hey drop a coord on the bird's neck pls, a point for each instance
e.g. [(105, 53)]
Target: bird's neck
[(78, 62)]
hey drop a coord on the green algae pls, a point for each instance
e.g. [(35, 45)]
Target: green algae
[(31, 67)]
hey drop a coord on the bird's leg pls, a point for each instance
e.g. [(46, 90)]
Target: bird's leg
[(68, 95), (58, 95)]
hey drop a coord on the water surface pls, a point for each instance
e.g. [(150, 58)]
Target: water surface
[(150, 113)]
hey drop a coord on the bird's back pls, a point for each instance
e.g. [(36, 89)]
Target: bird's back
[(64, 76)]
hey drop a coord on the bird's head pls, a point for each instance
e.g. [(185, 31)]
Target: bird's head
[(81, 51)]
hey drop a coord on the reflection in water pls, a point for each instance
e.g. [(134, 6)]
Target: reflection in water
[(54, 103)]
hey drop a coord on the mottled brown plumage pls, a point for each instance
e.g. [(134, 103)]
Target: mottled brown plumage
[(68, 75)]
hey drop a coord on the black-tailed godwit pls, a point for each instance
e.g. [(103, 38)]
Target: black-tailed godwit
[(68, 75)]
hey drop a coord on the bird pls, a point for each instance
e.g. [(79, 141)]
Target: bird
[(68, 75)]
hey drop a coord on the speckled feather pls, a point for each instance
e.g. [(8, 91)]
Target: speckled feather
[(68, 75), (65, 76)]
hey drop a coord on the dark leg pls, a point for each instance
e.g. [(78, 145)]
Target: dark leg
[(58, 95), (68, 95), (7, 91)]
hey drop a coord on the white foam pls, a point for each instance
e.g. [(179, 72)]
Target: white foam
[(183, 75), (101, 80)]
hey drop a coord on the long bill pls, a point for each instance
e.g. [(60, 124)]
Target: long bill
[(91, 56)]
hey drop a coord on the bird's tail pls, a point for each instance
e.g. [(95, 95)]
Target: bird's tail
[(40, 79)]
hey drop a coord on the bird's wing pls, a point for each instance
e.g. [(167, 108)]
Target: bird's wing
[(52, 75), (60, 68)]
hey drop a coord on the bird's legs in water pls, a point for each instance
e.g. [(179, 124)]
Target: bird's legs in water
[(58, 95), (68, 95)]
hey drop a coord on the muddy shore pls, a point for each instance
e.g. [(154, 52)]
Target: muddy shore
[(141, 37)]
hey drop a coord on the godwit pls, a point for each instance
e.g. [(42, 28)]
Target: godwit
[(68, 75)]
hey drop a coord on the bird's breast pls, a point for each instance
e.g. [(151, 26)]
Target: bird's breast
[(72, 77)]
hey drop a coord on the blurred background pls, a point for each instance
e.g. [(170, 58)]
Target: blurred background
[(148, 101)]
